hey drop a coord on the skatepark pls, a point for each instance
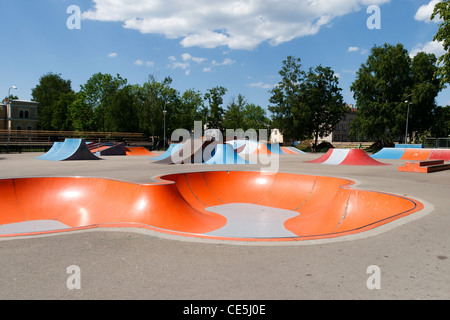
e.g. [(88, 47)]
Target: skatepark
[(140, 227)]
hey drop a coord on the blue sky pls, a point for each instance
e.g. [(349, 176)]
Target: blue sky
[(238, 44)]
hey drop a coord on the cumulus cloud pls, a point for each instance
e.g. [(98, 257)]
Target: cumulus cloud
[(236, 24), (434, 47), (424, 13), (112, 55), (141, 62), (261, 85)]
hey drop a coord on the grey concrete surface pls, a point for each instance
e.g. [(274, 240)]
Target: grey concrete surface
[(413, 254)]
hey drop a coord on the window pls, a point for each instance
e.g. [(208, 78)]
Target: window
[(21, 114), (27, 114), (337, 127), (19, 128), (344, 127)]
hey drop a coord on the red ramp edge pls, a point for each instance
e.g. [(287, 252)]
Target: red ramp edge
[(357, 157), (176, 204)]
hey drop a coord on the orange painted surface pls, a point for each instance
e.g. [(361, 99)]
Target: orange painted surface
[(177, 203), (416, 154), (138, 151), (262, 149)]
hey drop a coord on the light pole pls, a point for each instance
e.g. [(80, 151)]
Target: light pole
[(407, 122), (164, 113), (8, 116)]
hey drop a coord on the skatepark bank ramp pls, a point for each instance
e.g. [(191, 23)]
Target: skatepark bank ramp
[(349, 157), (221, 205), (70, 149)]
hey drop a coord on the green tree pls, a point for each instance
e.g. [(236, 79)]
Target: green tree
[(99, 91), (188, 109), (385, 85), (214, 97), (152, 98), (441, 127), (234, 114), (285, 97), (425, 88), (442, 11), (254, 117), (121, 116), (60, 116), (320, 103), (380, 89), (54, 96), (81, 115)]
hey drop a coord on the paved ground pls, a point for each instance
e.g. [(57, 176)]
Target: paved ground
[(413, 255)]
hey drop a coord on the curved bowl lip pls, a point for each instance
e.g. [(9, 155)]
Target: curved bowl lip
[(160, 180)]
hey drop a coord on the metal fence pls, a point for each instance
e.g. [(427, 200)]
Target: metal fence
[(437, 143)]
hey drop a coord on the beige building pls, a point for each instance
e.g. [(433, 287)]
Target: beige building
[(341, 132), (18, 115)]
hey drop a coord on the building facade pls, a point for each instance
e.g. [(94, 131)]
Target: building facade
[(341, 132), (19, 115)]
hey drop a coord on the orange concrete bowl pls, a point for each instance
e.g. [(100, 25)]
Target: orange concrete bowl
[(222, 205)]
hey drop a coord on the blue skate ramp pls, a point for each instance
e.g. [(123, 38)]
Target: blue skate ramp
[(172, 148), (53, 150), (71, 149), (275, 148), (389, 153), (225, 154)]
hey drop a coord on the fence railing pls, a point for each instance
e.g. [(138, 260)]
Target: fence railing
[(19, 140), (437, 143)]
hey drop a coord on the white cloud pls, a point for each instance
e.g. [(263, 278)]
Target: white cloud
[(225, 62), (141, 62), (261, 85), (357, 49), (424, 13), (429, 47), (112, 55), (236, 24)]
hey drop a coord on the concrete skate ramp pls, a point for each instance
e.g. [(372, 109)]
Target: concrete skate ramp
[(138, 151), (249, 147), (275, 148), (172, 148), (348, 157), (246, 206), (53, 150), (292, 150), (192, 151), (413, 154), (225, 154), (112, 149), (71, 149)]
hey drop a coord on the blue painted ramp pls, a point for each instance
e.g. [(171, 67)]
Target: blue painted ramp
[(172, 148), (71, 149), (225, 154), (389, 153), (275, 148), (53, 150)]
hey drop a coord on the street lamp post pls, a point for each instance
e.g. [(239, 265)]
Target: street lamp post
[(8, 117), (164, 113), (407, 122)]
